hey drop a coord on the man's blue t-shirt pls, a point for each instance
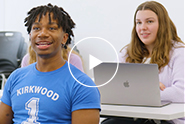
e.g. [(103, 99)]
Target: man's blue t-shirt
[(48, 97)]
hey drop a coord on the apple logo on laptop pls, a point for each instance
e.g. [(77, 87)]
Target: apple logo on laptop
[(126, 84)]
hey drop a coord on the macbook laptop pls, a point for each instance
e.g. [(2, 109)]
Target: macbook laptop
[(133, 84)]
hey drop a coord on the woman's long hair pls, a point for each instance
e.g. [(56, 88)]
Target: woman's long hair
[(166, 36)]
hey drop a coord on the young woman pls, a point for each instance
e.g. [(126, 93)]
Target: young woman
[(155, 40)]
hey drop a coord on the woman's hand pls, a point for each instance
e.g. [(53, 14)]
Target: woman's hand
[(162, 86)]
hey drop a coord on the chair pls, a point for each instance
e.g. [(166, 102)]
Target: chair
[(12, 49), (3, 81)]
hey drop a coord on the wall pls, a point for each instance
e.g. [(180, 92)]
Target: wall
[(109, 19)]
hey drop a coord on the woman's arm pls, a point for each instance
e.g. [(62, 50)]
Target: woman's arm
[(175, 89)]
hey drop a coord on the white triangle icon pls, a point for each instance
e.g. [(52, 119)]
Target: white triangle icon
[(93, 62)]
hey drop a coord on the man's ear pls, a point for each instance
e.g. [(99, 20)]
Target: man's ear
[(65, 38)]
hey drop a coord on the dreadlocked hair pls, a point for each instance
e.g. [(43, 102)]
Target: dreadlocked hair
[(59, 14), (64, 21)]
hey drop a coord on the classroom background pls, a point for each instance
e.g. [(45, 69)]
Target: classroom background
[(108, 19)]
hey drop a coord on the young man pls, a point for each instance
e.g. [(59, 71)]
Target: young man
[(45, 92)]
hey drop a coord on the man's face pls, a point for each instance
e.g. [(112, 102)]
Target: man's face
[(46, 37)]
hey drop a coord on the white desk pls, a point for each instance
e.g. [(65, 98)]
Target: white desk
[(169, 112)]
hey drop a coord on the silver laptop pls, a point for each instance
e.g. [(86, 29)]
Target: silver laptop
[(133, 84)]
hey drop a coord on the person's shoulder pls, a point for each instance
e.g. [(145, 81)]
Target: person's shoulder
[(74, 70), (178, 47), (24, 61), (177, 52), (124, 49), (76, 61), (74, 58), (80, 76), (74, 55), (23, 69), (85, 80), (20, 72), (123, 54), (26, 56)]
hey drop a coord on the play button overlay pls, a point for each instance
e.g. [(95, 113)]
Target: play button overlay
[(94, 52), (93, 62)]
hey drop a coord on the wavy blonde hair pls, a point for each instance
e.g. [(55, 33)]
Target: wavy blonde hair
[(166, 36)]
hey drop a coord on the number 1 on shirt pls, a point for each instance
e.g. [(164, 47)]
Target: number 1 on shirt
[(33, 107)]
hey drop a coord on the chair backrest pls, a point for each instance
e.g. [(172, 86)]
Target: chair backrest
[(12, 49), (2, 81)]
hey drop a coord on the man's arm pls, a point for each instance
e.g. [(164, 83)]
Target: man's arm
[(85, 116), (6, 114)]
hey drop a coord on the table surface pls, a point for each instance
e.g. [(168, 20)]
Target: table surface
[(168, 112)]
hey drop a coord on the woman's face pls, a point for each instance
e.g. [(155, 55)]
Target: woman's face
[(147, 27)]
